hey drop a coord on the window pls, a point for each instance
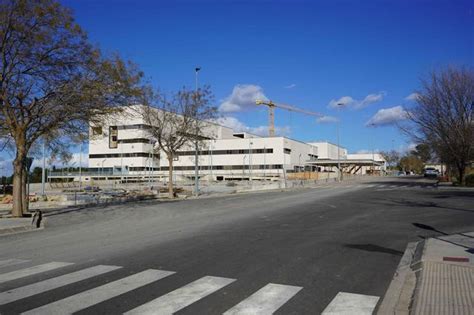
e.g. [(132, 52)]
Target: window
[(113, 133), (286, 151)]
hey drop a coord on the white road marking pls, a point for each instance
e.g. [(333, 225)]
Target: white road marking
[(351, 304), (31, 271), (265, 301), (11, 262), (182, 297), (381, 186), (53, 283), (370, 186), (394, 186), (107, 291)]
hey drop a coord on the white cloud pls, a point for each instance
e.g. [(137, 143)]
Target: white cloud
[(327, 120), (238, 126), (343, 101), (412, 97), (387, 116), (348, 101), (292, 85), (243, 97)]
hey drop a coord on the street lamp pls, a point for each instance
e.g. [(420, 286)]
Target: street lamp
[(196, 161), (102, 167), (299, 162), (250, 160), (372, 147), (339, 177)]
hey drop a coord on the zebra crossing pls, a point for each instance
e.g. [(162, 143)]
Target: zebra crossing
[(265, 300)]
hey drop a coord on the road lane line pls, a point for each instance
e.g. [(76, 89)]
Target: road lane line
[(11, 262), (53, 283), (351, 304), (107, 291), (182, 297), (265, 301), (31, 271)]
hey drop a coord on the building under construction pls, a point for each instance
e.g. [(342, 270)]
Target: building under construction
[(122, 149)]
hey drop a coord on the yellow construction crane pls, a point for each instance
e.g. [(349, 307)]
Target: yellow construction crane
[(271, 113)]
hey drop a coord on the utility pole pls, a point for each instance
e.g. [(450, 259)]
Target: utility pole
[(196, 161)]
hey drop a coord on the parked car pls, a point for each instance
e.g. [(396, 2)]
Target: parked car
[(430, 172)]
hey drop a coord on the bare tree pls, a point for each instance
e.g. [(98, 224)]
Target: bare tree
[(392, 157), (443, 117), (52, 81), (179, 122)]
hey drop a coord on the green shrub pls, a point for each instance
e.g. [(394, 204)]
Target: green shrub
[(470, 180)]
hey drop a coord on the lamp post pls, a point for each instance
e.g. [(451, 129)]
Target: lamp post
[(243, 166), (372, 147), (211, 147), (339, 171), (299, 162), (250, 160), (264, 162), (102, 168), (80, 164), (196, 161)]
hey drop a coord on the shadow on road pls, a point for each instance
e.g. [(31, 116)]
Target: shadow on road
[(374, 248), (430, 228), (420, 204)]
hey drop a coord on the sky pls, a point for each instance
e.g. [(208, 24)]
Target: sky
[(367, 55)]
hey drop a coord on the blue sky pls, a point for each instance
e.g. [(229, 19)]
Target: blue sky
[(303, 53)]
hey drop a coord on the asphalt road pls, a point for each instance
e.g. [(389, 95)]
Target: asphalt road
[(345, 237)]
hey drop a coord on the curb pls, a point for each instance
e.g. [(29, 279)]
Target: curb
[(399, 295), (22, 229)]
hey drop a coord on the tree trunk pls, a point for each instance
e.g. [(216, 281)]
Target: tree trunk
[(25, 192), (461, 171), (170, 175), (18, 188)]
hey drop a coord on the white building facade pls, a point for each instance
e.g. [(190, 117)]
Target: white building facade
[(122, 147)]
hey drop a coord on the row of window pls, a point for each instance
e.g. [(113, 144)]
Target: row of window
[(225, 152), (97, 130), (135, 140), (181, 153), (120, 155), (136, 126), (204, 168)]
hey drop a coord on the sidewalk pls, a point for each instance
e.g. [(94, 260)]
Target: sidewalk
[(17, 225), (435, 276)]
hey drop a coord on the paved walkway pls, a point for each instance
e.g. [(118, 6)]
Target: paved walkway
[(446, 276), (434, 277), (15, 225)]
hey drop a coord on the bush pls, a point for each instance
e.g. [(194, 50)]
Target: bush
[(470, 180)]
